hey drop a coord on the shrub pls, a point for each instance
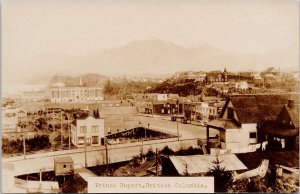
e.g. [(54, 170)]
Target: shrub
[(167, 151)]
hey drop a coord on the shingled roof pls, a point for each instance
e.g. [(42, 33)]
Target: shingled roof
[(294, 114), (258, 108)]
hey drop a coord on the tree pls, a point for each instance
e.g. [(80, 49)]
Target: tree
[(108, 89), (221, 176)]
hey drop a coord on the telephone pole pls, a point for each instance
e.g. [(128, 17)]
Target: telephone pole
[(61, 125), (177, 104), (24, 146), (156, 162), (69, 132), (85, 154), (106, 156)]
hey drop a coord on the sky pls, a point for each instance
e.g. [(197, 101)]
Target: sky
[(33, 28)]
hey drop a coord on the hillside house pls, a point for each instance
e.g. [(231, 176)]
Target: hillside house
[(285, 128), (243, 118)]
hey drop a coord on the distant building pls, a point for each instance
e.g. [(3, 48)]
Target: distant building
[(154, 96), (62, 94), (22, 114), (33, 96), (10, 120), (88, 130), (242, 86), (166, 107), (216, 76)]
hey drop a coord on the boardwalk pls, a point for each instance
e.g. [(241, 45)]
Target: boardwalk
[(95, 156)]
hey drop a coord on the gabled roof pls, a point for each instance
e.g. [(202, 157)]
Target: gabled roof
[(195, 164), (74, 122), (294, 114), (257, 108), (223, 124), (66, 159)]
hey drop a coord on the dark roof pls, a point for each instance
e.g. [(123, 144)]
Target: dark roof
[(281, 132), (294, 114), (257, 108)]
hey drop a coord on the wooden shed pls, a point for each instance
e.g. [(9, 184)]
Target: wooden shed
[(63, 166)]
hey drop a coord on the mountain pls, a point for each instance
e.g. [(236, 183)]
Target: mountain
[(157, 57)]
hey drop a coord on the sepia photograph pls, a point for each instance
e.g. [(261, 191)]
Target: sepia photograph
[(149, 96)]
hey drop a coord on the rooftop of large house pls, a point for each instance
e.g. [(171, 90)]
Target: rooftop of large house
[(258, 108)]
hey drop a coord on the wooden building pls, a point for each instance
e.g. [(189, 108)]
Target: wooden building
[(63, 166)]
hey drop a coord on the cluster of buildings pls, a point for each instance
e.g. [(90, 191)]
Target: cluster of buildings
[(197, 108), (11, 117)]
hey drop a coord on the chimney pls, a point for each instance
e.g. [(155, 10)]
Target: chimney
[(291, 103)]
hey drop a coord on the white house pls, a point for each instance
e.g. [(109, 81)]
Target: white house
[(9, 120), (89, 130), (241, 119), (241, 86), (22, 113)]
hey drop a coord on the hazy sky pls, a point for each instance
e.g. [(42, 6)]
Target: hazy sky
[(31, 28)]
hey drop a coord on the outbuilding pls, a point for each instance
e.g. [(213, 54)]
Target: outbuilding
[(63, 166)]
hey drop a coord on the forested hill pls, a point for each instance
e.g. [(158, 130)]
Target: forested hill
[(183, 87)]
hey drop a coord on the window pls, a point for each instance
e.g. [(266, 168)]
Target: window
[(80, 140), (95, 140), (252, 135), (230, 113), (65, 166), (83, 129), (95, 128)]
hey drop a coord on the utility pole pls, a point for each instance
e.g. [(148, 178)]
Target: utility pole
[(142, 151), (61, 138), (152, 108), (69, 132), (85, 154), (40, 175), (24, 145), (106, 156), (146, 130), (177, 119), (156, 162)]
